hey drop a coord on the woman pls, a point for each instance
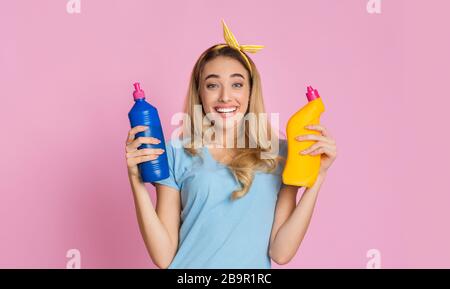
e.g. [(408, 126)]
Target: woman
[(222, 206)]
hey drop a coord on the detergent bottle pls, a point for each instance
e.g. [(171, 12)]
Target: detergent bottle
[(302, 170), (143, 113)]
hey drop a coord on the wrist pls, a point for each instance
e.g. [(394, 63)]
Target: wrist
[(322, 174), (321, 177), (134, 177)]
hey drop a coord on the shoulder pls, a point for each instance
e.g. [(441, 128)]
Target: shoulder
[(174, 144), (278, 153), (176, 147)]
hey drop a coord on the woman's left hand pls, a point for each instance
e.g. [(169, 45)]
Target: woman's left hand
[(325, 145)]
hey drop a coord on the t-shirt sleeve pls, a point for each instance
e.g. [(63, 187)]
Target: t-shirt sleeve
[(170, 181)]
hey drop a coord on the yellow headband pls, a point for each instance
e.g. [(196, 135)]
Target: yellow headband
[(232, 42)]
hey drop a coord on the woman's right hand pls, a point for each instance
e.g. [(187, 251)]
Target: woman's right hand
[(135, 156)]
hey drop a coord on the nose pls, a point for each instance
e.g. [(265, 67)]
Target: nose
[(224, 96)]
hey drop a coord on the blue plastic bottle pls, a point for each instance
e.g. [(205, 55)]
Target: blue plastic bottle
[(143, 113)]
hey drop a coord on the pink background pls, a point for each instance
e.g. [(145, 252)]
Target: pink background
[(66, 83)]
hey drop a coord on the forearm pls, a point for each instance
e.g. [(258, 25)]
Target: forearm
[(293, 230), (156, 237)]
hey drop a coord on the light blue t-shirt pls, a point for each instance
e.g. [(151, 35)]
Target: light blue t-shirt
[(217, 232)]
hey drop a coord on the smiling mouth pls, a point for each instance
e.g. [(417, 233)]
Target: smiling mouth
[(226, 111)]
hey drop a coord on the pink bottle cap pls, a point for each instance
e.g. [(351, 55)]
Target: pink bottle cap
[(312, 93), (138, 92)]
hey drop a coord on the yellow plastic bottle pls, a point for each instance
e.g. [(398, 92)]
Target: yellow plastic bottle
[(302, 170)]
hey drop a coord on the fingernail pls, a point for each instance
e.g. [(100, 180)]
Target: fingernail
[(303, 152)]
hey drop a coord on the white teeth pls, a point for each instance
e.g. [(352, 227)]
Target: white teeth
[(226, 109)]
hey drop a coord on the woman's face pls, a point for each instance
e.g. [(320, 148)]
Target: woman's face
[(225, 90)]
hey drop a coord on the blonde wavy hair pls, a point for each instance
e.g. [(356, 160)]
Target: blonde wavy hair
[(247, 160)]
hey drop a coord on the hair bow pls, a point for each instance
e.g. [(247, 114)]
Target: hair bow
[(233, 43)]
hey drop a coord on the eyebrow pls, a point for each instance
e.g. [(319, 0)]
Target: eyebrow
[(233, 75)]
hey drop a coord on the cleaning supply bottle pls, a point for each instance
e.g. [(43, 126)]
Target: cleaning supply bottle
[(143, 113), (302, 170)]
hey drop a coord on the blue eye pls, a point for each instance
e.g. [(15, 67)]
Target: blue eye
[(238, 84), (211, 85)]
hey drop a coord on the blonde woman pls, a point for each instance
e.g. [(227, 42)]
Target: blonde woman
[(224, 206)]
